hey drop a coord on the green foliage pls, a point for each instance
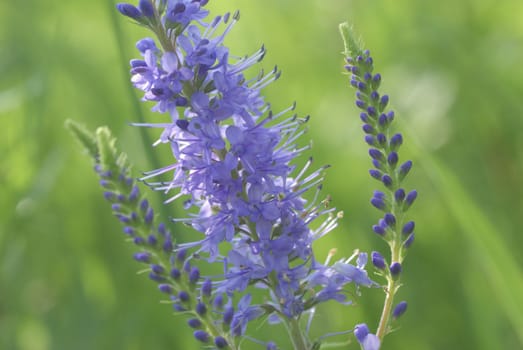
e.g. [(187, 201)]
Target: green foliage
[(453, 70)]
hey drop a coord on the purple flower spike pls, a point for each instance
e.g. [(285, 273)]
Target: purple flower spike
[(202, 336), (367, 340), (399, 310), (378, 261)]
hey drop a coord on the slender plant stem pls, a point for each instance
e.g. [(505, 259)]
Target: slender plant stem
[(297, 337)]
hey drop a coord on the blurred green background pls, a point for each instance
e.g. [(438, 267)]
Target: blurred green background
[(454, 73)]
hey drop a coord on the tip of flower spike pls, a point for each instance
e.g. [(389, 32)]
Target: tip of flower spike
[(351, 44)]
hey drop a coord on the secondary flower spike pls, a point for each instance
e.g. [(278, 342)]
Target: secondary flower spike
[(384, 144)]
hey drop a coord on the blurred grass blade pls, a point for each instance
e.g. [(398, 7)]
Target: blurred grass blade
[(502, 273)]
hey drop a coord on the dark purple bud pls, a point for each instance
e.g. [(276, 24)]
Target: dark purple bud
[(116, 207), (408, 228), (399, 310), (364, 117), (378, 261), (149, 216), (142, 257), (151, 240), (144, 204), (181, 255), (369, 139), (157, 269), (361, 104), (106, 174), (128, 230), (135, 192), (375, 154), (167, 244), (165, 288), (207, 287), (155, 277), (411, 197), (179, 307), (372, 111), (378, 203), (354, 82), (218, 302), (134, 216), (175, 273), (377, 164), (194, 275), (395, 142), (146, 8), (379, 230), (408, 242), (390, 116), (395, 269), (375, 174), (161, 229), (383, 102), (105, 183), (390, 220), (383, 120), (362, 86), (368, 129), (374, 95), (183, 296), (110, 196), (369, 61), (202, 336), (227, 315), (359, 59), (399, 195), (382, 139), (187, 266), (367, 76), (392, 159), (201, 309), (194, 323), (220, 342), (387, 180), (404, 169), (138, 241), (123, 218), (129, 11), (120, 198), (376, 80)]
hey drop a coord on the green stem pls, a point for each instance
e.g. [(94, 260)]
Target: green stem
[(298, 339)]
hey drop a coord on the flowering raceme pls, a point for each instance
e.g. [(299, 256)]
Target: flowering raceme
[(235, 170)]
